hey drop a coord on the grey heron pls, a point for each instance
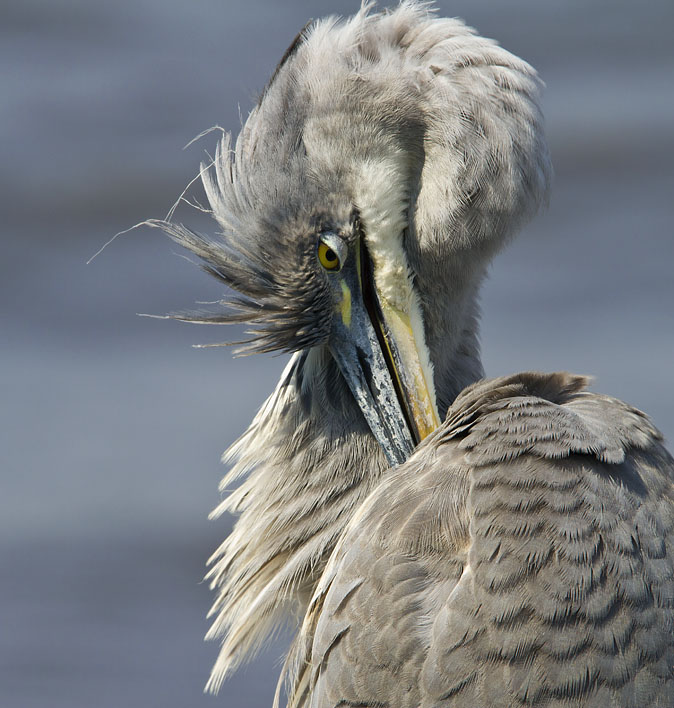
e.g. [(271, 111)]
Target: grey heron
[(441, 539)]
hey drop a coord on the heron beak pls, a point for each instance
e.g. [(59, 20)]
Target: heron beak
[(405, 350), (375, 347)]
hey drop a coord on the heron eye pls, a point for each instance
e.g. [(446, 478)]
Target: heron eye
[(327, 257)]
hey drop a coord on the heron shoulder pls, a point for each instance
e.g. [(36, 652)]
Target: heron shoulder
[(530, 440), (550, 416)]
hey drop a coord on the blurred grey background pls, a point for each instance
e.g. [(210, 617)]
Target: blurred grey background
[(111, 426)]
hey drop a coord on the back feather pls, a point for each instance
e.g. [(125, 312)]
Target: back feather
[(523, 556)]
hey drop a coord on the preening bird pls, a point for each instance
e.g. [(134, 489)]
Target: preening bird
[(441, 539)]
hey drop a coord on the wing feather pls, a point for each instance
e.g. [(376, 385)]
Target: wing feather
[(524, 555)]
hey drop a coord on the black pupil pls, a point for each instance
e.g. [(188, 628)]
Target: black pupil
[(330, 255)]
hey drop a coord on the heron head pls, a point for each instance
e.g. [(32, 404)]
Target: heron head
[(306, 272), (361, 204)]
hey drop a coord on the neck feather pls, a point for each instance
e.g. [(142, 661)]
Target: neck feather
[(310, 460)]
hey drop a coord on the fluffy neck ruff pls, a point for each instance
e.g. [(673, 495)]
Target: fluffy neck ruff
[(309, 460)]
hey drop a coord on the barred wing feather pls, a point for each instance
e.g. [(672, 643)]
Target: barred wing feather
[(524, 555)]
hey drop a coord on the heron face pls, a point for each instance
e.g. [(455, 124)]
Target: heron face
[(374, 345)]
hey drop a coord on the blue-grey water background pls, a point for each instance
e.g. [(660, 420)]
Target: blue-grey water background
[(111, 426)]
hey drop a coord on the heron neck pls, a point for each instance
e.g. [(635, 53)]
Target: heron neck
[(452, 336), (310, 461)]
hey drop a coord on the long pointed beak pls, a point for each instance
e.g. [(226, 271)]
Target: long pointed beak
[(378, 353), (405, 350)]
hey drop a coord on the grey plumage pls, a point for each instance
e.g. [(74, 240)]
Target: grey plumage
[(527, 537), (525, 554)]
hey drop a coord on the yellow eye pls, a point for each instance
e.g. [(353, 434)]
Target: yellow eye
[(328, 258)]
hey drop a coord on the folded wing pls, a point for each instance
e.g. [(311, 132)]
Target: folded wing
[(524, 555)]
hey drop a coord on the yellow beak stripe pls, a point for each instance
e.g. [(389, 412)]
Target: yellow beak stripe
[(345, 304)]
